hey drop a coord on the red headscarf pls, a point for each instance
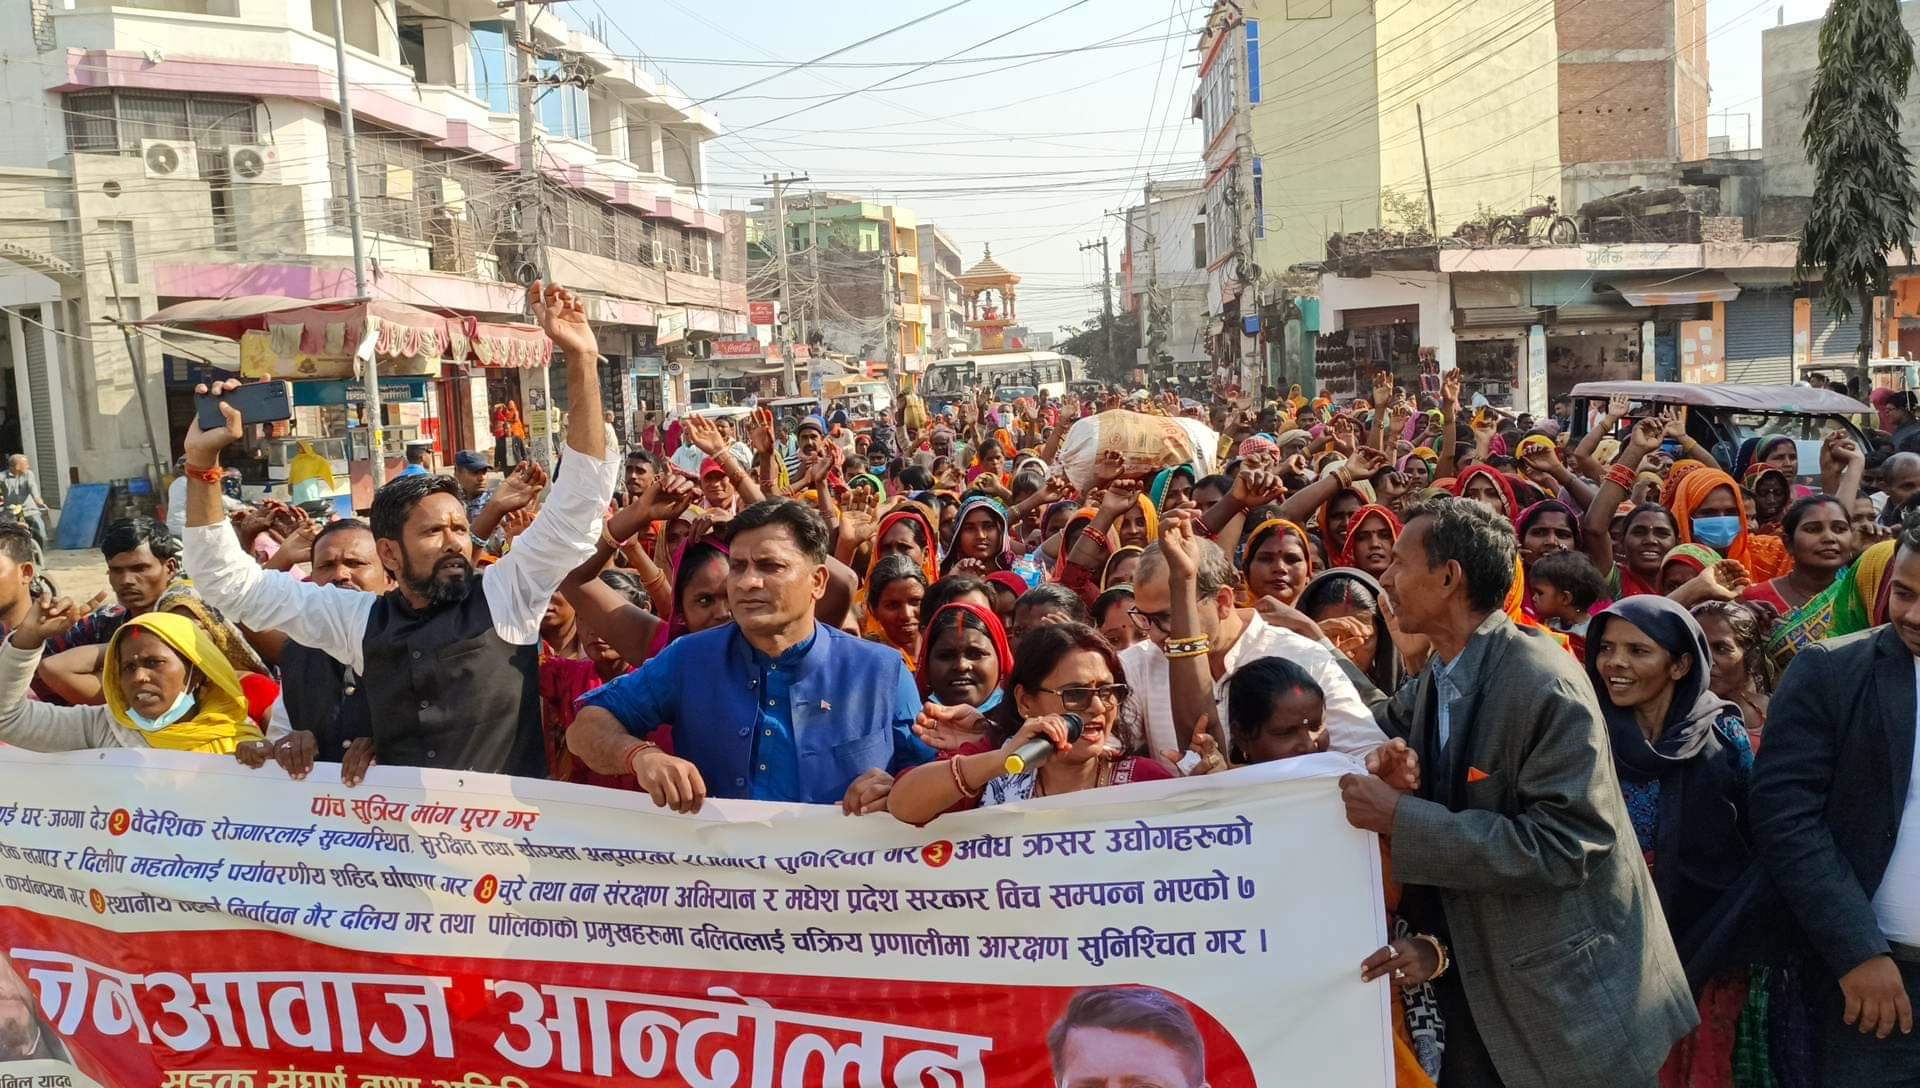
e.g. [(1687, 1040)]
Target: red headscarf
[(996, 633), (930, 542), (1359, 518), (1499, 480), (1331, 546)]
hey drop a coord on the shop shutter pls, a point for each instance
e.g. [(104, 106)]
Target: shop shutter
[(1760, 337), (40, 402), (1835, 340)]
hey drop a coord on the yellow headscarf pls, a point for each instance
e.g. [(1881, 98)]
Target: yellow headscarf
[(219, 722), (1153, 517)]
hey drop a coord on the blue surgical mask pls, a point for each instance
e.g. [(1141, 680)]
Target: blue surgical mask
[(1716, 533), (182, 706)]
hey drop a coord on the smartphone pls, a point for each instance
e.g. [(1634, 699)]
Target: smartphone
[(260, 402)]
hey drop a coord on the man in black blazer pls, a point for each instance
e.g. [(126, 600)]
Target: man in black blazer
[(1836, 809)]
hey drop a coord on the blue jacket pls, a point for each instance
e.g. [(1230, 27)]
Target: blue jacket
[(852, 704)]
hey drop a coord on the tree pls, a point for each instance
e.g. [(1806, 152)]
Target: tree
[(1863, 193), (1089, 342)]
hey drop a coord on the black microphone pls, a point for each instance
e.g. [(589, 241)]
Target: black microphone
[(1035, 752)]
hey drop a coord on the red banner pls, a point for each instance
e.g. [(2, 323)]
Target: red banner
[(760, 313), (131, 1009)]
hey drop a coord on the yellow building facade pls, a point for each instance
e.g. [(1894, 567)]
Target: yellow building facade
[(1334, 129)]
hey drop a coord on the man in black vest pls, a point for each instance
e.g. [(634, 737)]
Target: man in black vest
[(321, 709), (449, 660)]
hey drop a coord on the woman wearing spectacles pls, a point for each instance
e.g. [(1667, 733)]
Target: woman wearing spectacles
[(1059, 669)]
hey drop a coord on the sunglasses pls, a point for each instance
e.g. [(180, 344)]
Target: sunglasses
[(1078, 698)]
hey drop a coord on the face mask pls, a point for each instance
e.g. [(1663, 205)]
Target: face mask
[(180, 708), (1716, 533)]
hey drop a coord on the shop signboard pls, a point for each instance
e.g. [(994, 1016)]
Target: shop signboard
[(738, 349), (670, 327), (760, 313)]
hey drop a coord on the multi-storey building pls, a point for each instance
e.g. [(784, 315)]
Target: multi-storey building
[(940, 269), (854, 270), (1164, 272), (191, 150)]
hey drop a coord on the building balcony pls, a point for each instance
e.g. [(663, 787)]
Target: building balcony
[(271, 50)]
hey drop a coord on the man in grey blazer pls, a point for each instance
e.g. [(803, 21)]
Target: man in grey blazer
[(1517, 849)]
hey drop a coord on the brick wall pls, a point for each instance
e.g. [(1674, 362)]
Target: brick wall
[(1618, 24), (42, 15), (1612, 112), (1722, 228)]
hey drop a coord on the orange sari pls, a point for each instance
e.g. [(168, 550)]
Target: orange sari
[(1764, 557)]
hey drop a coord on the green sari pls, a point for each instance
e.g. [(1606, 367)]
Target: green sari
[(1850, 605)]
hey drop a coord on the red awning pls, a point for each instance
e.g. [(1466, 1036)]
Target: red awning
[(334, 329)]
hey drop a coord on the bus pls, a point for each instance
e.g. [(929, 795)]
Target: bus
[(1019, 373)]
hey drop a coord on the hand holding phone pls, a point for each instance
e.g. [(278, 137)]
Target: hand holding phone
[(258, 402)]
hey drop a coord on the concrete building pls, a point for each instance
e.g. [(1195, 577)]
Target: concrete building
[(940, 270), (193, 149), (1789, 58), (1163, 269), (1332, 91), (855, 270)]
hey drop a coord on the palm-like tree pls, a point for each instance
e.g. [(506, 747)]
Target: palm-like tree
[(1863, 194)]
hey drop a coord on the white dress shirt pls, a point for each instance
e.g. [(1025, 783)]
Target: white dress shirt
[(1896, 905), (518, 587), (1349, 722)]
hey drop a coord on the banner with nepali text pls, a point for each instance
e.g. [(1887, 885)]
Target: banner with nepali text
[(180, 921)]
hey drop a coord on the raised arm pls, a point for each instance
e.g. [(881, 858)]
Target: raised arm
[(34, 725), (1597, 529), (228, 578), (706, 438), (1582, 457), (1382, 393), (1252, 489), (1547, 461), (1300, 506), (1842, 462), (1449, 416), (562, 537)]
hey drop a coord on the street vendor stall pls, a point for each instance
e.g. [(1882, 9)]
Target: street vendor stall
[(317, 345)]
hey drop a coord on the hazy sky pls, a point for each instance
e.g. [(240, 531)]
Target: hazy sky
[(1028, 153)]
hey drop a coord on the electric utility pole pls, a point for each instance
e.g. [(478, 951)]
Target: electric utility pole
[(785, 325), (529, 205), (1106, 299), (370, 370)]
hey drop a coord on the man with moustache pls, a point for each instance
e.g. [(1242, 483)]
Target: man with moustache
[(24, 1036), (449, 659), (322, 712)]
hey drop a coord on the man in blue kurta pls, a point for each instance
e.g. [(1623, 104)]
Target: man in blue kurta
[(774, 706)]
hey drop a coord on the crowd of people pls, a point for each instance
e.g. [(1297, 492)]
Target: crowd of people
[(1638, 727)]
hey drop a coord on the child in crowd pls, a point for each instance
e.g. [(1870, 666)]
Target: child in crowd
[(1566, 587), (1275, 710)]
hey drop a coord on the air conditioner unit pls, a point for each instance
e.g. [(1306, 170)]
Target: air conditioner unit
[(659, 253), (170, 160), (254, 164)]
